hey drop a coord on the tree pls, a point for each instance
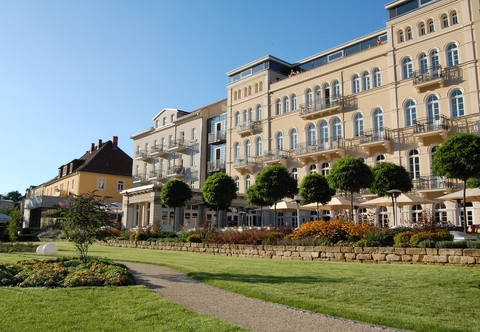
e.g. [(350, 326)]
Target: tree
[(253, 197), (219, 189), (275, 183), (83, 217), (387, 176), (175, 193), (350, 174), (14, 196), (314, 188), (15, 222), (458, 158)]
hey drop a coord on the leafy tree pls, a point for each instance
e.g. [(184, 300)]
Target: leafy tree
[(219, 189), (314, 188), (350, 174), (275, 183), (254, 197), (387, 176), (175, 193), (14, 196), (458, 158), (15, 223), (473, 183), (83, 216)]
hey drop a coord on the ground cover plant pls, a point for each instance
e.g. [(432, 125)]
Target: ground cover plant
[(413, 297)]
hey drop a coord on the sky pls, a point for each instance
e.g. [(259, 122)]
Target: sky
[(73, 72)]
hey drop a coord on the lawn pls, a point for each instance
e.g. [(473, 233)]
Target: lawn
[(414, 297)]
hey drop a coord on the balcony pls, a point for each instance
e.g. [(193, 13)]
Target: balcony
[(158, 151), (217, 137), (140, 178), (428, 78), (248, 127), (142, 155), (176, 172), (325, 106), (177, 145), (426, 184), (326, 148), (243, 165), (157, 176), (216, 166), (373, 140), (275, 157), (431, 128)]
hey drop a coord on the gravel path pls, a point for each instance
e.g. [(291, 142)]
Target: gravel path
[(246, 312)]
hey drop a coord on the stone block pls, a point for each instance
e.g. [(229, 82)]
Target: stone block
[(364, 257)]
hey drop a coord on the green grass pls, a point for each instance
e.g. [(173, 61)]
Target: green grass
[(414, 297)]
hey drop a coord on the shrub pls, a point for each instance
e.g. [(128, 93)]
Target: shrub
[(376, 238), (473, 244), (451, 244), (113, 232), (433, 235), (195, 238), (335, 230), (139, 236), (51, 233), (403, 239), (427, 244), (400, 229)]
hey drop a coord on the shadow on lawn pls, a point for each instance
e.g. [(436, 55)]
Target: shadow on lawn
[(267, 279)]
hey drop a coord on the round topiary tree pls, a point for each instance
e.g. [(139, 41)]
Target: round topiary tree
[(175, 193), (219, 190)]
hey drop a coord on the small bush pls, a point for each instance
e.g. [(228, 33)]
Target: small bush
[(403, 239), (335, 230), (139, 236), (400, 229), (376, 238), (473, 244), (451, 244), (431, 234), (427, 244), (195, 238)]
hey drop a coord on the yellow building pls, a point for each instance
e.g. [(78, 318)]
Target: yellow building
[(104, 168), (392, 95)]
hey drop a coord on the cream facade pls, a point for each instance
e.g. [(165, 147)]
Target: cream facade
[(393, 95)]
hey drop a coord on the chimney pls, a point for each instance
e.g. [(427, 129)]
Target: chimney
[(99, 144), (92, 147), (115, 142)]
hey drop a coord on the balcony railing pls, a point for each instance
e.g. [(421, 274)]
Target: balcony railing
[(158, 175), (321, 106), (375, 135), (431, 123), (435, 182), (216, 137), (248, 127), (431, 75), (158, 151), (274, 155), (142, 155), (216, 166), (323, 144), (176, 171), (140, 177), (242, 161), (177, 145)]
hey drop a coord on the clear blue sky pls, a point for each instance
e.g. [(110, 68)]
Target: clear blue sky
[(73, 72)]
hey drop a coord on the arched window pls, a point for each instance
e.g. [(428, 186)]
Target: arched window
[(259, 112), (324, 134), (278, 107), (250, 115), (444, 20), (408, 33), (237, 183), (417, 213), (286, 105), (407, 69), (245, 116), (245, 92), (423, 64), (248, 149), (294, 102), (325, 169), (235, 95), (236, 153), (401, 38), (452, 55), (337, 129), (247, 182), (410, 113), (433, 109), (377, 78), (366, 80), (312, 135), (456, 100), (259, 146), (256, 87), (431, 26), (380, 159), (454, 18), (295, 173), (312, 169), (336, 89), (355, 84), (309, 97), (414, 164), (326, 92), (260, 88), (440, 213), (318, 91), (378, 121), (279, 141), (383, 216), (293, 139), (237, 118), (434, 59), (421, 29), (358, 125)]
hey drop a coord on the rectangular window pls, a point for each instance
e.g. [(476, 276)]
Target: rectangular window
[(194, 134), (193, 157), (101, 184), (120, 185)]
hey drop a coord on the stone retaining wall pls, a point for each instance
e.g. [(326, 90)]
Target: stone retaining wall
[(320, 253)]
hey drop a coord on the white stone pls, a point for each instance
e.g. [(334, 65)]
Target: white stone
[(50, 249)]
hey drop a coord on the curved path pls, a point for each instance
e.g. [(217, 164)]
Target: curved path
[(253, 314)]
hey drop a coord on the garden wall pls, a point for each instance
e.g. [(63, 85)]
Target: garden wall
[(320, 253)]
